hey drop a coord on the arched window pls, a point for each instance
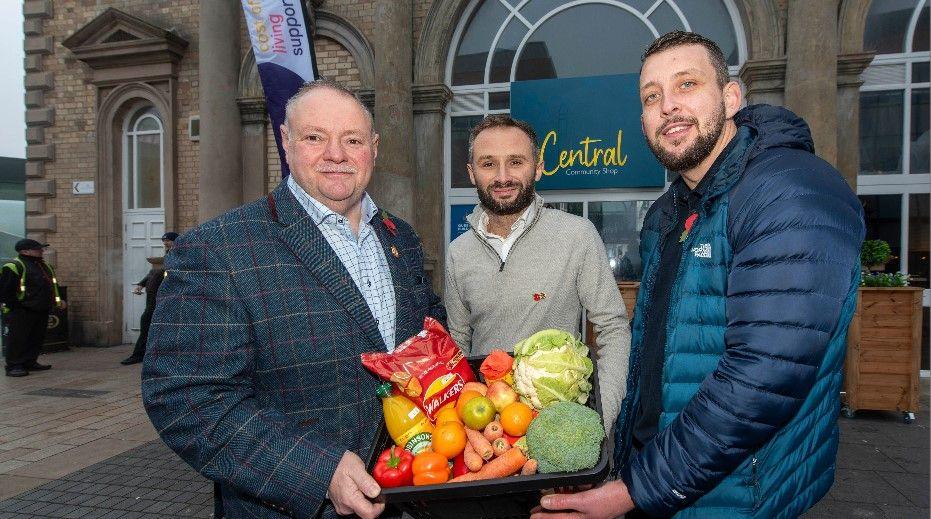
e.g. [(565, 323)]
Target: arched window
[(894, 179), (500, 41), (144, 171)]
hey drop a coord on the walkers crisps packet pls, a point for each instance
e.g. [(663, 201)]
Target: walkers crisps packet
[(428, 368)]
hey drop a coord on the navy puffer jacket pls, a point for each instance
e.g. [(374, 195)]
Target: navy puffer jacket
[(756, 333)]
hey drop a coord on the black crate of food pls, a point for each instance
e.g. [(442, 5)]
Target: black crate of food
[(503, 498)]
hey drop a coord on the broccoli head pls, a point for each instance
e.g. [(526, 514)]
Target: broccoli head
[(565, 437)]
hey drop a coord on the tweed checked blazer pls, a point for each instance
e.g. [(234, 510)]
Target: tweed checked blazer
[(252, 374)]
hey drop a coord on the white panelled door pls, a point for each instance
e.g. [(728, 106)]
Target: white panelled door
[(142, 238), (143, 210)]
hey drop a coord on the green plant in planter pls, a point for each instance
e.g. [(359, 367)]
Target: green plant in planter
[(882, 279), (874, 252)]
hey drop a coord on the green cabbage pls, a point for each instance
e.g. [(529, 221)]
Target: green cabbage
[(552, 366)]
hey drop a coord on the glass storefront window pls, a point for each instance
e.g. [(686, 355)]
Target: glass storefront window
[(887, 25), (919, 139), (919, 231), (881, 132), (619, 224), (469, 63), (920, 38), (554, 52), (459, 148), (883, 215)]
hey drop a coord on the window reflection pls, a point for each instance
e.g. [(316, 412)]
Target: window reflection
[(883, 215), (887, 25), (881, 132), (459, 149), (619, 224), (919, 148)]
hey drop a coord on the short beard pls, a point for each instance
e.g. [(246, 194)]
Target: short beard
[(523, 200), (697, 152)]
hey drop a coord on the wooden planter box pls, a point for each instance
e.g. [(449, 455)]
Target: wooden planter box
[(629, 295), (884, 351)]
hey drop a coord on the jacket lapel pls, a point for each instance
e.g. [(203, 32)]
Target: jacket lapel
[(301, 235), (400, 278)]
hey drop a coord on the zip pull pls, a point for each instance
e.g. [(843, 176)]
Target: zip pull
[(501, 269)]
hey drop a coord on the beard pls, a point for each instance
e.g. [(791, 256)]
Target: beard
[(698, 151), (524, 197)]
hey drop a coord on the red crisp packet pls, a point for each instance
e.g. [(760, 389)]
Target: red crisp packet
[(428, 368)]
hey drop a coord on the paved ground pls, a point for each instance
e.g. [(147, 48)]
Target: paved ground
[(75, 442)]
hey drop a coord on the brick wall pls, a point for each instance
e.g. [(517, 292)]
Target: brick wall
[(73, 131)]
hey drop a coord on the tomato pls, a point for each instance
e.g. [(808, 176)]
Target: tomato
[(393, 468)]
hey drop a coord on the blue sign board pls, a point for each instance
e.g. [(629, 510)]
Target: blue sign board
[(457, 219), (589, 131)]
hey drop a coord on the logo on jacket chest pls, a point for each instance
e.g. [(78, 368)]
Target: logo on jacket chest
[(703, 250)]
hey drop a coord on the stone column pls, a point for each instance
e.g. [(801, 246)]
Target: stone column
[(220, 187), (392, 183), (429, 113), (811, 71), (849, 68), (254, 149), (765, 81)]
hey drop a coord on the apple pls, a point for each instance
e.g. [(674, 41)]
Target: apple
[(478, 412), (478, 387), (501, 394)]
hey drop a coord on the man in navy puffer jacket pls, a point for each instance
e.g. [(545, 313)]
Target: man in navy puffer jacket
[(750, 280)]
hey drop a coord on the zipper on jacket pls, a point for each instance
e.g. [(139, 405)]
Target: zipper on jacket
[(513, 245), (755, 482)]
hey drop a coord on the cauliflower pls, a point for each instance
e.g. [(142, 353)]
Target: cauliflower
[(565, 437), (552, 366)]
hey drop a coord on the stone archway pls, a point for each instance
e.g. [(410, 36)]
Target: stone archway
[(113, 106)]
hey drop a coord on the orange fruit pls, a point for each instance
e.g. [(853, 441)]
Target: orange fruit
[(515, 418), (464, 397), (447, 414), (449, 439)]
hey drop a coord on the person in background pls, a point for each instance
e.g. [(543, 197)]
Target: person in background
[(150, 283), (29, 292), (751, 270)]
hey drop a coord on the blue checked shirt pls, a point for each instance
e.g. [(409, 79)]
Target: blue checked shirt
[(362, 255)]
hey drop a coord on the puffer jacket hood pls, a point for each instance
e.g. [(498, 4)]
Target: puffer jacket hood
[(776, 127)]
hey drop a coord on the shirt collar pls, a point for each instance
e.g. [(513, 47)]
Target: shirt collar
[(520, 222), (319, 212)]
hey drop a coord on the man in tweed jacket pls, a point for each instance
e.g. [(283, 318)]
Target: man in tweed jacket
[(253, 374)]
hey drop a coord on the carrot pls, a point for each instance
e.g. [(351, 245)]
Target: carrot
[(481, 445), (472, 460), (500, 446), (493, 431), (530, 467), (508, 463)]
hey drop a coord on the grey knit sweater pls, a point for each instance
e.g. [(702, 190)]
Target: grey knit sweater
[(557, 266)]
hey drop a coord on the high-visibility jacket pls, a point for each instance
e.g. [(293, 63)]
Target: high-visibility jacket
[(19, 270)]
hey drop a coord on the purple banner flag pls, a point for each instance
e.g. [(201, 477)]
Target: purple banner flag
[(284, 54)]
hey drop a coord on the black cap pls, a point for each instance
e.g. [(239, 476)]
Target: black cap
[(28, 244), (170, 236)]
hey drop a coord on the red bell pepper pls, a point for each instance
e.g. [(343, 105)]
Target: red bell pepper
[(393, 468)]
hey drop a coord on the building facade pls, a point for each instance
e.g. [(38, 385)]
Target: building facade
[(148, 115)]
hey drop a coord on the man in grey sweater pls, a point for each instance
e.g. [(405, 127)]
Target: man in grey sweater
[(523, 267)]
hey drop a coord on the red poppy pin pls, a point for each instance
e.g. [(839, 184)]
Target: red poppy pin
[(689, 222), (539, 296), (390, 225)]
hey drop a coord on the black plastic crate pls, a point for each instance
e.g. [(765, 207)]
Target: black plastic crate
[(503, 498)]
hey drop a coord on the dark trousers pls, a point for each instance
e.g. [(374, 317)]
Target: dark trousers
[(144, 322), (25, 336)]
